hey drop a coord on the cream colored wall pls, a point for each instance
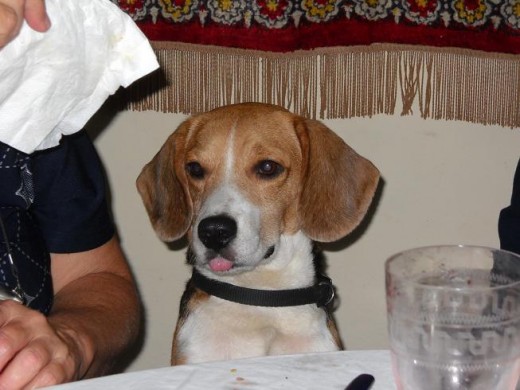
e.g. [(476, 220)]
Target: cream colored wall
[(444, 182)]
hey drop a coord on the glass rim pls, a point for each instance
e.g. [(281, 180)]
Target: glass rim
[(453, 246)]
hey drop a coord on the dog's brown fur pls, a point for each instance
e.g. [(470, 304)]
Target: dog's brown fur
[(322, 193)]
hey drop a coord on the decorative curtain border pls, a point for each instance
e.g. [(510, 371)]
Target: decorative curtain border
[(336, 82), (446, 59)]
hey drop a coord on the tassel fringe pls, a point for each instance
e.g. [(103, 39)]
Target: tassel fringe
[(336, 82)]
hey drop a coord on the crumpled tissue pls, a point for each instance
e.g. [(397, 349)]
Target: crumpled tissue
[(52, 83)]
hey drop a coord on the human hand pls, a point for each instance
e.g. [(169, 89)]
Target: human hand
[(32, 352), (12, 14)]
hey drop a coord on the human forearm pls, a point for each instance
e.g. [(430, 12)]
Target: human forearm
[(96, 304), (98, 315), (95, 318)]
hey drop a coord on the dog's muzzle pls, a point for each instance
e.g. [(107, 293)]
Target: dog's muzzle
[(217, 232)]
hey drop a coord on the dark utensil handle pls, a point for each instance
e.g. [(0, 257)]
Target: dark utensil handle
[(361, 382)]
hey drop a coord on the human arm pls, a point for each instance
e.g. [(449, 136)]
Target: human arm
[(12, 14), (95, 318)]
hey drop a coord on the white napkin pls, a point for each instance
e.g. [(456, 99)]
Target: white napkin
[(52, 83)]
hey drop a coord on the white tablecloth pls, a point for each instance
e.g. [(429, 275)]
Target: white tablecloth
[(331, 370)]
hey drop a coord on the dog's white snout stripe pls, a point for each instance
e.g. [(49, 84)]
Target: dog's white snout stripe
[(228, 199), (230, 155)]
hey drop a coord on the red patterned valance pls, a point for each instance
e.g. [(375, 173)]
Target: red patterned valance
[(337, 58)]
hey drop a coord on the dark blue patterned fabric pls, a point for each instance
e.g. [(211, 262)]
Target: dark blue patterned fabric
[(51, 201)]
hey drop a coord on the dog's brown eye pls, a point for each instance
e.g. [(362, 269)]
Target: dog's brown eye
[(268, 169), (195, 170)]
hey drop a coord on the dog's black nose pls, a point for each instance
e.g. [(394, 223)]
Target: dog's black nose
[(217, 231)]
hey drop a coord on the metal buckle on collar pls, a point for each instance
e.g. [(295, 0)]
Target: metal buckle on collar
[(326, 291)]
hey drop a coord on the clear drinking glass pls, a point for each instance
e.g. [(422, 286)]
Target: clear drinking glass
[(454, 318)]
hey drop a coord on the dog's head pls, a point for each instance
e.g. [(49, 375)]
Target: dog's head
[(239, 177)]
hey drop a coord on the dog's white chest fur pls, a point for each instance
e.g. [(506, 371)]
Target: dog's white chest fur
[(219, 329)]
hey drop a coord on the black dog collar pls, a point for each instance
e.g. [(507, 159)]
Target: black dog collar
[(322, 293)]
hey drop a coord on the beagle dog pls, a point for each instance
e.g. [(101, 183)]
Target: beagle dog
[(253, 186)]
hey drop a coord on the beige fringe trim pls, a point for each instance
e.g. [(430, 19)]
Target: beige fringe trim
[(337, 82)]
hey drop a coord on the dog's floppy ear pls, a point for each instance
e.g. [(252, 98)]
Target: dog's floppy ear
[(338, 184), (163, 188)]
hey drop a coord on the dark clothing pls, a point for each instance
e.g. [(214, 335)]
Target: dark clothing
[(50, 201), (509, 219)]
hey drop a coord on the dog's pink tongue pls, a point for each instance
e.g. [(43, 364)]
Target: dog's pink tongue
[(219, 264)]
